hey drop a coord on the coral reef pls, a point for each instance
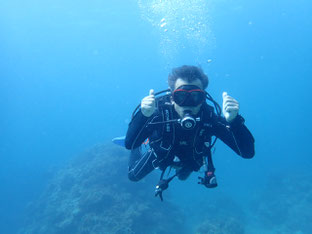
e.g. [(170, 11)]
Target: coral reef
[(225, 225), (92, 194), (221, 216), (286, 203)]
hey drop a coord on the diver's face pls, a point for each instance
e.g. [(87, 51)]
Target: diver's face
[(181, 109)]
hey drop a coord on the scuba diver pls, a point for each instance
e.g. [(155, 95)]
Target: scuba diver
[(178, 130)]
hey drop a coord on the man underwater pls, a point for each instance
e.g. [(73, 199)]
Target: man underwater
[(179, 127)]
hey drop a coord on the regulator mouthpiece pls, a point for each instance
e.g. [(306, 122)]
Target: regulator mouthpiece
[(188, 122)]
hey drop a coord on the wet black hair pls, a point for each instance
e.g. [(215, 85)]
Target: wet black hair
[(189, 74)]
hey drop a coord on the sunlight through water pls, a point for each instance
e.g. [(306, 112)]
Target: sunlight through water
[(181, 24)]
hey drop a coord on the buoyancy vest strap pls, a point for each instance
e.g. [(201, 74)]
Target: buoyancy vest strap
[(203, 142), (210, 168), (168, 129), (163, 148)]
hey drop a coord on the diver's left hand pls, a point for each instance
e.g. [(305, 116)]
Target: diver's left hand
[(230, 107)]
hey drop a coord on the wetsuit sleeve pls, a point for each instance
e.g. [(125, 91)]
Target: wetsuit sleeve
[(137, 131), (236, 135)]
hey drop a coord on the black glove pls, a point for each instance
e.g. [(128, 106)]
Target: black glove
[(210, 180)]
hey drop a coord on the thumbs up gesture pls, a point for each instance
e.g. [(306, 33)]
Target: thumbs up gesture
[(230, 107), (148, 104)]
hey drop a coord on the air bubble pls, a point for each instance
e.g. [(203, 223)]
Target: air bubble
[(163, 25)]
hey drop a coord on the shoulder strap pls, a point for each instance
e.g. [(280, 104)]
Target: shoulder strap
[(168, 128), (163, 146)]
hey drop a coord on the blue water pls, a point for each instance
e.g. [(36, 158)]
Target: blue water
[(71, 72)]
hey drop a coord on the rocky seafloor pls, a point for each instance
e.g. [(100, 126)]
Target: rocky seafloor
[(92, 195), (284, 206)]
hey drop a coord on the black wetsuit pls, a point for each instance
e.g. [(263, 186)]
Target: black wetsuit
[(169, 141)]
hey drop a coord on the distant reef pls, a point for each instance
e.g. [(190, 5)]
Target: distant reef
[(92, 195), (221, 216), (285, 205)]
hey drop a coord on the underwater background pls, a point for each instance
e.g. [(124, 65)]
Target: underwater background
[(72, 72)]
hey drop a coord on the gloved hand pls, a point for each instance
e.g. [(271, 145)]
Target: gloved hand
[(209, 180), (230, 107), (148, 104)]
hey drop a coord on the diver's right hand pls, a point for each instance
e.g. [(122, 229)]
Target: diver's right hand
[(148, 104)]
